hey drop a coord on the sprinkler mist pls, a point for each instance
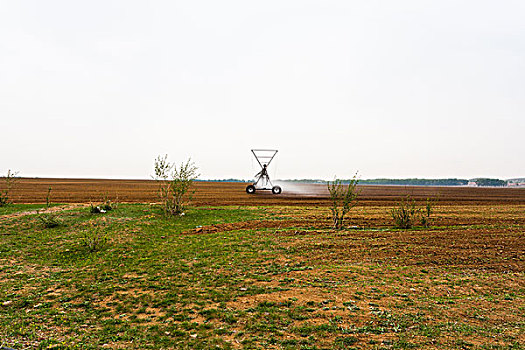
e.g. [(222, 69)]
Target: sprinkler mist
[(262, 180)]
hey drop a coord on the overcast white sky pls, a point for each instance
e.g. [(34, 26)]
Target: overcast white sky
[(389, 88)]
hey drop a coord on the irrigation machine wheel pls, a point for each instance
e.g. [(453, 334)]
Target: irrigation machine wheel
[(250, 189), (276, 190)]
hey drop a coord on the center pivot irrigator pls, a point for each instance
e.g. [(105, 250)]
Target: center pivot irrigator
[(262, 179)]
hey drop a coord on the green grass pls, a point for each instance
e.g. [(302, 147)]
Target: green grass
[(157, 284), (146, 253)]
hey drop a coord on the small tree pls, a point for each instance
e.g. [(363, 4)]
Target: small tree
[(95, 237), (405, 214), (48, 197), (343, 197), (174, 184), (427, 212), (9, 182)]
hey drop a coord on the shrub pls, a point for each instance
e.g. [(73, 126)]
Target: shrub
[(427, 212), (404, 215), (9, 182), (104, 207), (95, 209), (48, 197), (107, 205), (50, 220), (343, 197), (174, 184), (94, 238)]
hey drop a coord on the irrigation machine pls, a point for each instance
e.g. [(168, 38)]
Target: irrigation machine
[(262, 180)]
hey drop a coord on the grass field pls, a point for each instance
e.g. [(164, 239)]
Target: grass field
[(263, 277)]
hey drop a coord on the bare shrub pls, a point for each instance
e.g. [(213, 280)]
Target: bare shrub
[(9, 183), (405, 214), (94, 238), (95, 209), (105, 206), (49, 220), (343, 197), (427, 212), (174, 184), (48, 197)]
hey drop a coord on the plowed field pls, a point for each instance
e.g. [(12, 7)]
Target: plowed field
[(30, 190)]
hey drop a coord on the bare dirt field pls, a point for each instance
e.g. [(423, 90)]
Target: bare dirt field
[(34, 190)]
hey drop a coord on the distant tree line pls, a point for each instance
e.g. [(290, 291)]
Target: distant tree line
[(490, 182), (222, 180), (398, 182), (310, 181), (416, 182)]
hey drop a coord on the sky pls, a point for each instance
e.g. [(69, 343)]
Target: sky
[(98, 89)]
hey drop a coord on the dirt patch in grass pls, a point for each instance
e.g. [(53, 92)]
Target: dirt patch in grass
[(250, 225), (54, 209)]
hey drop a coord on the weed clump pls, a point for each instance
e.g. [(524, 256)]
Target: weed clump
[(50, 220), (404, 215), (95, 209), (94, 238), (427, 212), (102, 208), (108, 205), (407, 213)]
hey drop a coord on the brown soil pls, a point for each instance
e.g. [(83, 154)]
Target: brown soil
[(34, 190)]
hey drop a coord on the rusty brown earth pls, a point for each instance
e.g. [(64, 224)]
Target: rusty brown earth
[(34, 190)]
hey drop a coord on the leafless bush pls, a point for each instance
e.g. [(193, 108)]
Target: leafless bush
[(48, 197), (427, 212), (174, 184), (105, 206), (405, 214), (9, 183), (94, 238), (343, 197), (49, 220)]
